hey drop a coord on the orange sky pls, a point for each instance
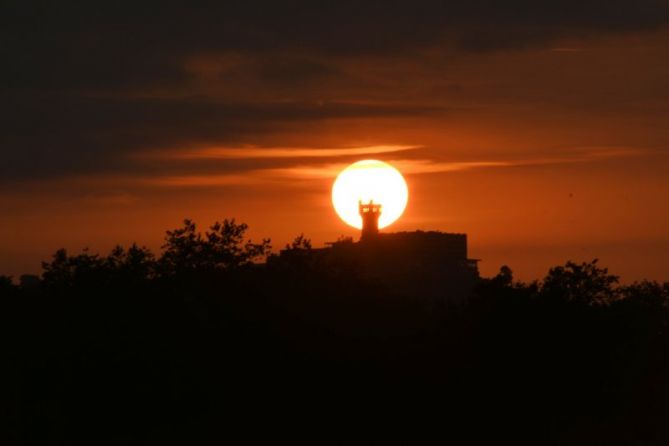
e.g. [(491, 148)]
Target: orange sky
[(540, 153)]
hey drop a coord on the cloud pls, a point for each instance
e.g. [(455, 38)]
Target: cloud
[(428, 166), (274, 152), (127, 44), (581, 155), (201, 180), (88, 86), (70, 135), (293, 172), (329, 170)]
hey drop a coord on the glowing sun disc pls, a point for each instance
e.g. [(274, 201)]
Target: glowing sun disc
[(370, 180)]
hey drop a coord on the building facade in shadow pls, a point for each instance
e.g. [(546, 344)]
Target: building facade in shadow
[(431, 264)]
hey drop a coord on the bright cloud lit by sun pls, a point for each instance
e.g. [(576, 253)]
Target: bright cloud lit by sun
[(370, 180)]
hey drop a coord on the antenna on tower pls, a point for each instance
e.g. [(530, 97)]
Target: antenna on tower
[(370, 214)]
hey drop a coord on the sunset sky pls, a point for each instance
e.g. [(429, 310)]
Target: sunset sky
[(540, 129)]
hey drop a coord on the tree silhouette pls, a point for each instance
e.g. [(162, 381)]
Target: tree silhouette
[(648, 293), (504, 278), (299, 242), (6, 285), (222, 247), (134, 264), (65, 271), (584, 283)]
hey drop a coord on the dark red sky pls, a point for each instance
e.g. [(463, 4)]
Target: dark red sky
[(538, 128)]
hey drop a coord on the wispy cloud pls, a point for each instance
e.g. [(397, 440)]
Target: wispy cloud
[(567, 50), (201, 180), (422, 166), (317, 170), (275, 152), (407, 167), (427, 166)]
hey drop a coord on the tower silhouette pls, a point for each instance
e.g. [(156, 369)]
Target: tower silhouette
[(370, 214)]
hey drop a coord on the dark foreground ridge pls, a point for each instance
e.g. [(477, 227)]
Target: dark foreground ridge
[(212, 342)]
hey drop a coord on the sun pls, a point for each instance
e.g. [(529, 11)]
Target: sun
[(370, 180)]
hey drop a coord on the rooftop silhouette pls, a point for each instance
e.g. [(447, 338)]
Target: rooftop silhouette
[(432, 264), (370, 213)]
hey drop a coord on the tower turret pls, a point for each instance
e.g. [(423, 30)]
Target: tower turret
[(370, 214)]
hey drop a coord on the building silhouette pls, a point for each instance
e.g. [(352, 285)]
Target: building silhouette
[(370, 213), (431, 264)]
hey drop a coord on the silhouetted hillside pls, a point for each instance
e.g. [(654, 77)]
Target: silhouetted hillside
[(205, 343)]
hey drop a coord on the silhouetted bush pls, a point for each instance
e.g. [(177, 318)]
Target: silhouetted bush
[(7, 287)]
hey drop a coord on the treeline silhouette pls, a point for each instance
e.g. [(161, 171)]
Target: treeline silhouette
[(205, 343)]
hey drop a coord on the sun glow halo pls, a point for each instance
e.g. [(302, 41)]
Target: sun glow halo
[(370, 180)]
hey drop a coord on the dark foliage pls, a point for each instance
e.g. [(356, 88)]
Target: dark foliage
[(7, 286), (202, 345), (221, 248)]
